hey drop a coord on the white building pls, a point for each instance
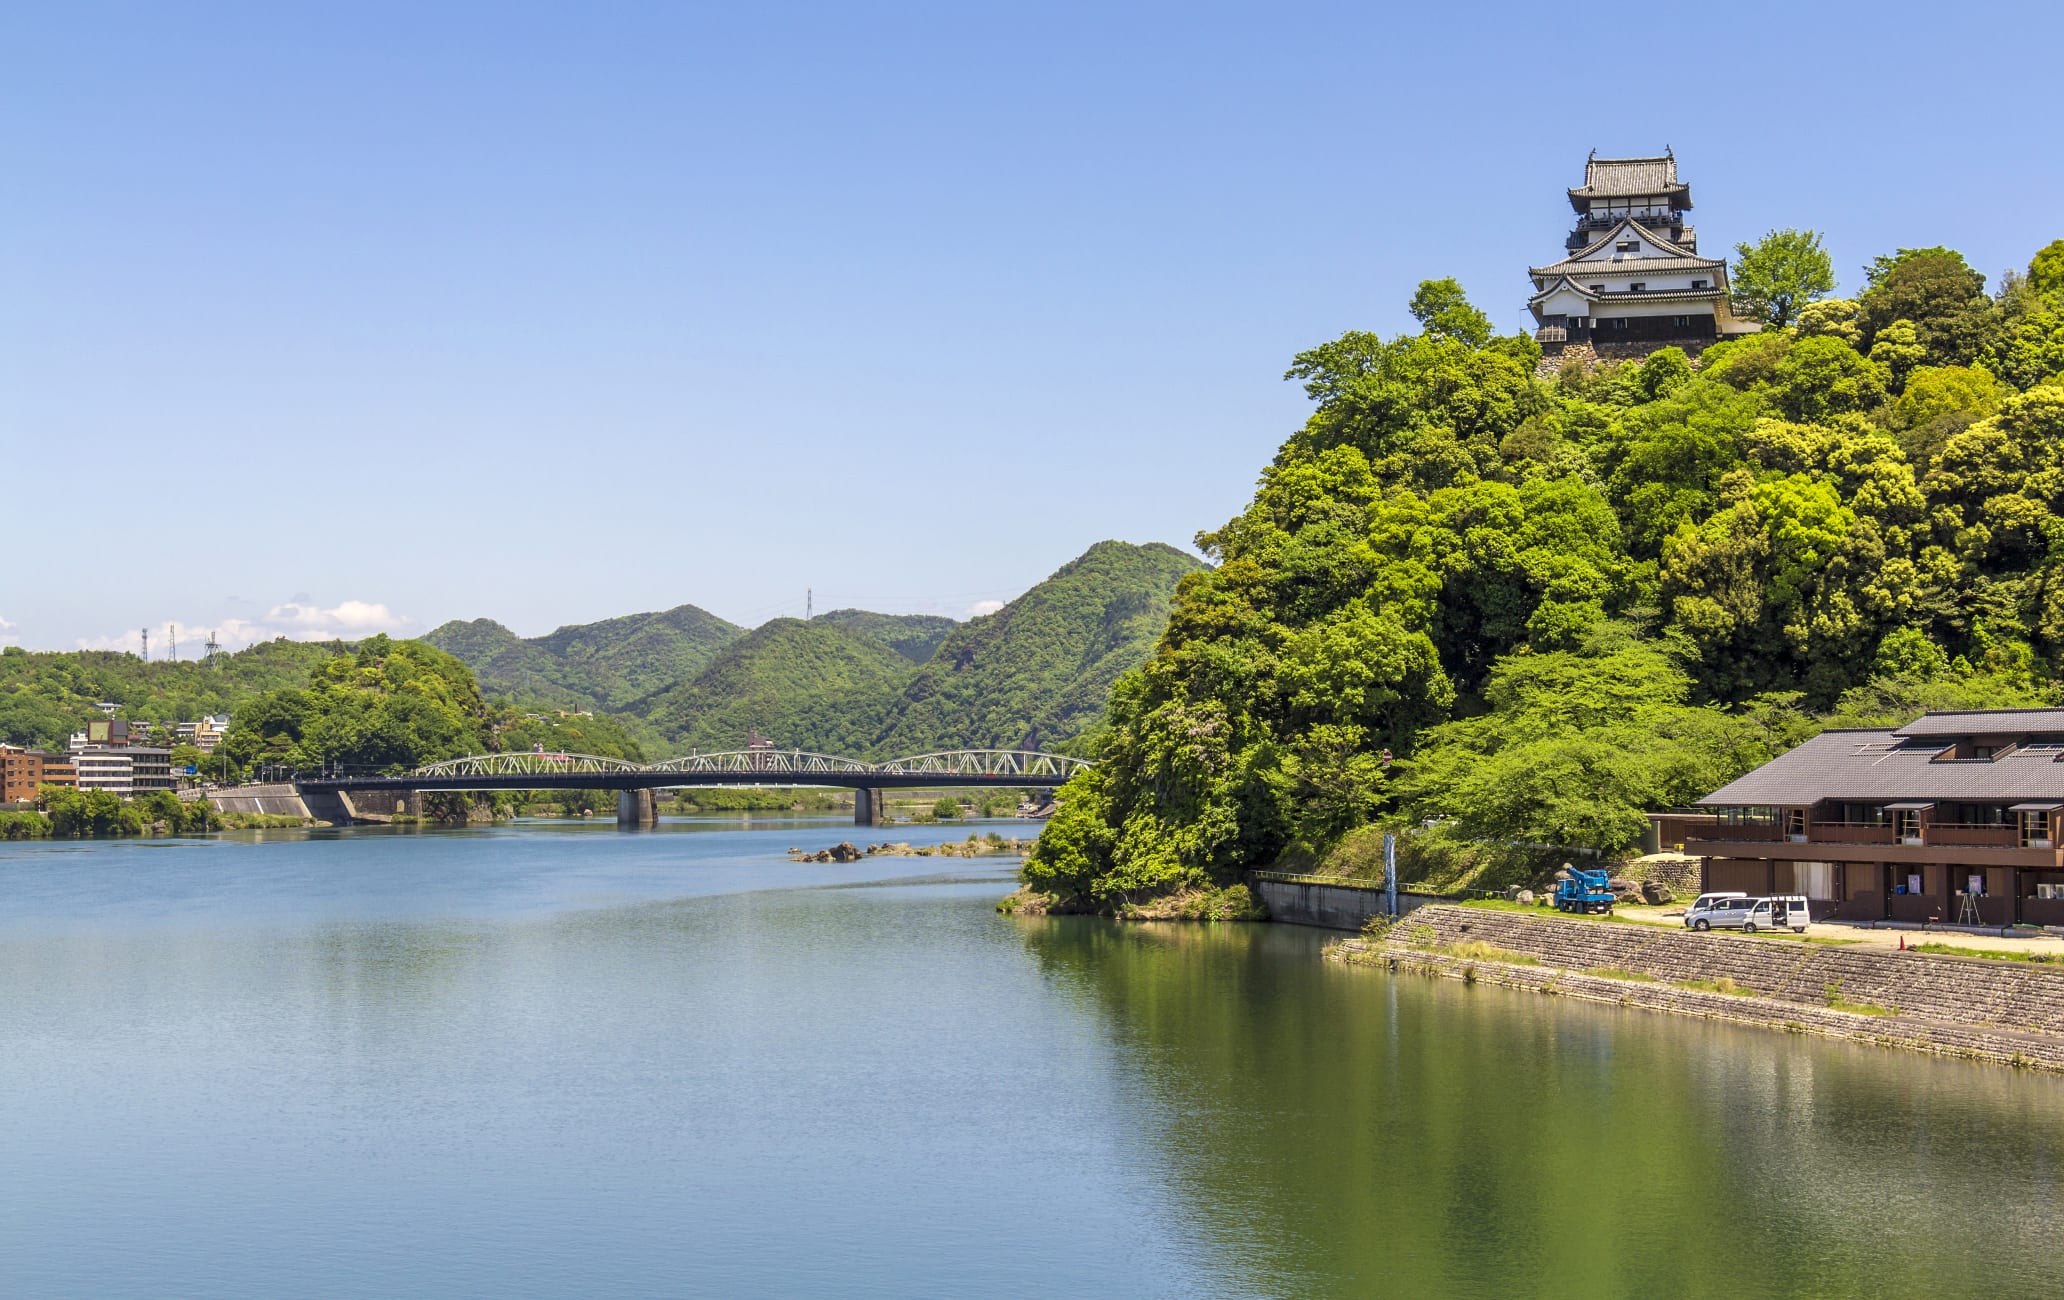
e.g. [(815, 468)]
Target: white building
[(106, 769), (129, 770), (1632, 280)]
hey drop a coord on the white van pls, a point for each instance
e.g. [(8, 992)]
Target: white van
[(1777, 912), (1705, 903), (1724, 910)]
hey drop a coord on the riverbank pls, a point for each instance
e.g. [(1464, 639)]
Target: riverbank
[(2004, 1013)]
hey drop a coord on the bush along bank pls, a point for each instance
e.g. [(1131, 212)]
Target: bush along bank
[(1998, 1012), (70, 814)]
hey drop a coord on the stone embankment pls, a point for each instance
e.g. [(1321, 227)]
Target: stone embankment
[(2006, 1012), (270, 799)]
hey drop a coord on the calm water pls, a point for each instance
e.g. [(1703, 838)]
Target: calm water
[(555, 1060)]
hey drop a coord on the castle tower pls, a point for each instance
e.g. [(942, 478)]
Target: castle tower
[(1631, 279)]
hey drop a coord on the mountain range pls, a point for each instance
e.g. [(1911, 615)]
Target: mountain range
[(1032, 675)]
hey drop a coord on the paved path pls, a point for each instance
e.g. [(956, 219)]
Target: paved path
[(1857, 935)]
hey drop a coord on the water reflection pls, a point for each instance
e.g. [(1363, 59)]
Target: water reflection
[(563, 1061), (1350, 1131)]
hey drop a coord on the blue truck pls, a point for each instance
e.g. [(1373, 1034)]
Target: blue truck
[(1582, 891)]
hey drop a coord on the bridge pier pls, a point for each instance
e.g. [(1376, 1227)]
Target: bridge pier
[(636, 809), (867, 807)]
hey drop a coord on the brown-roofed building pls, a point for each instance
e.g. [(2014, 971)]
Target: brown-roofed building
[(1631, 279), (1953, 817)]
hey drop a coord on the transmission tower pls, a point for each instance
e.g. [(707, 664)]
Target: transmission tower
[(809, 604), (146, 645), (212, 645), (175, 640)]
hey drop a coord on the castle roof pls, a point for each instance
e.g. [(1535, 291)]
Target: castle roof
[(1608, 178), (1582, 262)]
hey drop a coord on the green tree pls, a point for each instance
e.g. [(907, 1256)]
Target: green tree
[(1663, 372), (1939, 402), (1776, 277), (1445, 311), (1938, 292), (1898, 349), (2046, 271), (1823, 377), (1833, 318)]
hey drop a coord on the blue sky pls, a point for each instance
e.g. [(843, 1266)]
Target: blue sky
[(368, 316)]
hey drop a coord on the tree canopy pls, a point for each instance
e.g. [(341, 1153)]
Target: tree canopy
[(1778, 275)]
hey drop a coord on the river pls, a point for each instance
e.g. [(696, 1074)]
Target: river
[(549, 1059)]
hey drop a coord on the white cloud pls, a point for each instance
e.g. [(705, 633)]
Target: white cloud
[(7, 636), (981, 607), (352, 618), (349, 620)]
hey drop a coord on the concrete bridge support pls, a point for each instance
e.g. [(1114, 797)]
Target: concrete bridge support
[(636, 809), (868, 807)]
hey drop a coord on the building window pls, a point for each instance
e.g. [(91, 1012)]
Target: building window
[(1698, 284), (1596, 288), (1683, 322), (1628, 245), (1620, 323), (1637, 286)]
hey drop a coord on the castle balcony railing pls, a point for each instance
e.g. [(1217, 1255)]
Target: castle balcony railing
[(1600, 220), (1551, 334)]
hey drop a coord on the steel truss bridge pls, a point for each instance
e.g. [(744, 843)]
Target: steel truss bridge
[(1008, 768)]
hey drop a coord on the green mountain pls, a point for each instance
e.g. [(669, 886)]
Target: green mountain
[(813, 686), (1033, 674), (603, 665), (1037, 672), (914, 636)]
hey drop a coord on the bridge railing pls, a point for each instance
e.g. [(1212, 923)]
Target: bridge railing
[(759, 762), (752, 766), (986, 762), (528, 764)]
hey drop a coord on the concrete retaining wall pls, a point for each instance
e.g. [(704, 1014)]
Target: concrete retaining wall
[(1335, 907), (2002, 1011), (278, 799)]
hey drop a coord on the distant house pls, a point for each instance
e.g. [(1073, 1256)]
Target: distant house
[(1631, 280), (1952, 816), (204, 734)]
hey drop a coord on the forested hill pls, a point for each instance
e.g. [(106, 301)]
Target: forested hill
[(818, 686), (914, 636), (1559, 603), (603, 665), (1035, 673), (46, 696)]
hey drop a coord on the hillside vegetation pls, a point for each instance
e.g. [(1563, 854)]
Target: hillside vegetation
[(603, 665), (1526, 611), (46, 696), (1033, 674), (1037, 672), (914, 636), (816, 686)]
